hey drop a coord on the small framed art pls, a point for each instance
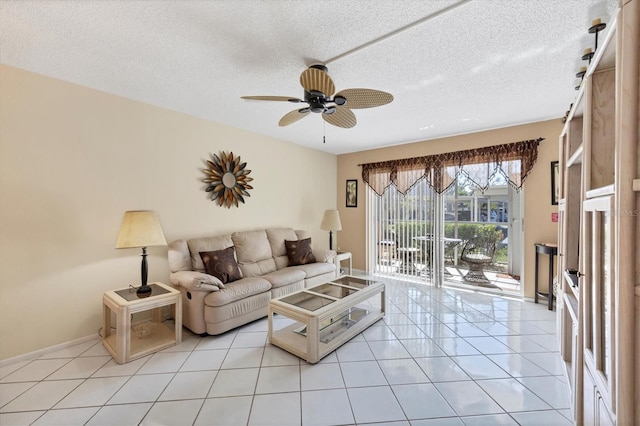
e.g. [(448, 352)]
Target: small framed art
[(352, 193)]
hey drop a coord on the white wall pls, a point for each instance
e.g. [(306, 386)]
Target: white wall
[(73, 160)]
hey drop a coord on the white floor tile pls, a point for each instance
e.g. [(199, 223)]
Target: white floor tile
[(97, 349), (421, 348), (354, 351), (66, 417), (321, 376), (521, 344), (189, 385), (517, 365), (441, 369), (113, 369), (456, 346), (541, 418), (250, 340), (402, 371), (378, 332), (235, 382), (326, 407), (467, 398), (126, 414), (9, 391), (479, 367), (547, 341), (488, 345), (204, 360), (362, 373), (512, 395), (276, 409), (36, 370), (23, 418), (226, 411), (422, 401), (407, 331), (388, 349), (222, 341), (243, 358), (550, 389), (278, 379), (42, 396), (274, 356), (143, 388), (490, 420), (467, 330), (375, 404), (92, 392), (549, 361), (449, 421), (5, 370), (173, 413), (80, 368), (164, 362), (71, 351)]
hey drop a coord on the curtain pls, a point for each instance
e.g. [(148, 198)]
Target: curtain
[(513, 160)]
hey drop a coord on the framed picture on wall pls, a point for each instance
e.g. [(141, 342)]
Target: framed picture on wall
[(352, 193), (555, 183)]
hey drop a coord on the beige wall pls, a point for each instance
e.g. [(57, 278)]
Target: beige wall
[(73, 160), (538, 208)]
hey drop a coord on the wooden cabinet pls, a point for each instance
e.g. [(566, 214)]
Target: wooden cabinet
[(599, 236)]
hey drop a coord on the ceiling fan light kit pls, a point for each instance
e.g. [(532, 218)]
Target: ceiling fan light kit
[(319, 91)]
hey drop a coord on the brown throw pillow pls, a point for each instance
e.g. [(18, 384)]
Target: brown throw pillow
[(221, 264), (299, 252)]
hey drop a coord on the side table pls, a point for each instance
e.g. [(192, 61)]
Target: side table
[(131, 340), (552, 251), (343, 255)]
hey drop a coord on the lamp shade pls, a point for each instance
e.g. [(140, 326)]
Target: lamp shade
[(140, 229), (331, 221)]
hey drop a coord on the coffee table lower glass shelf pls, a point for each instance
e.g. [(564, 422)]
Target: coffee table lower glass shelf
[(326, 316)]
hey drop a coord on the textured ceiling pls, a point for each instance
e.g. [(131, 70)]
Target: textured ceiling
[(453, 66)]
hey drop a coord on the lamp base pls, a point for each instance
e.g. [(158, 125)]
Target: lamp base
[(143, 291)]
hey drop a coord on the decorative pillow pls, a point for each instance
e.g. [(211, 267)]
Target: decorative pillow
[(221, 264), (299, 252)]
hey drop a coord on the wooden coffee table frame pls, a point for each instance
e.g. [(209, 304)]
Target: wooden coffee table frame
[(310, 347)]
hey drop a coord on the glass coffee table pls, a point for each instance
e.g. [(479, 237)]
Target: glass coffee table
[(326, 316)]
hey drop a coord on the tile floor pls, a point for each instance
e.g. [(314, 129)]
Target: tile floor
[(439, 357)]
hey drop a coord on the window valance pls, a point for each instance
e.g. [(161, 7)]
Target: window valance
[(513, 160)]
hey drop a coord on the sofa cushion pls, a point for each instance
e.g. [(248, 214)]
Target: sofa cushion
[(179, 257), (221, 264), (253, 252), (286, 276), (196, 245), (299, 252), (237, 290), (276, 238), (315, 269)]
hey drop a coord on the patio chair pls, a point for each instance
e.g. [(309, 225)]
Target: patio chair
[(478, 252)]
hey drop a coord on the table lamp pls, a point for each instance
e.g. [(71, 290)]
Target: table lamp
[(141, 229), (331, 222)]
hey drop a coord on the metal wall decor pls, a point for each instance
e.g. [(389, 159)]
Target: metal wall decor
[(227, 179)]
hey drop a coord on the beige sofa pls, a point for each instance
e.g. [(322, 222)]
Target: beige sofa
[(211, 307)]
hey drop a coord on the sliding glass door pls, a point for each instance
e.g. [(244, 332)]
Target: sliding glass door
[(467, 235)]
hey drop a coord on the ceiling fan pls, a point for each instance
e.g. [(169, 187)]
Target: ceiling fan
[(319, 92)]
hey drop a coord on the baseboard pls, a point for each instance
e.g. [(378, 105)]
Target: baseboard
[(36, 354)]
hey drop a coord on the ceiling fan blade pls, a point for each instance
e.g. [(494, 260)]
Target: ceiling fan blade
[(313, 79), (341, 117), (293, 116), (272, 98), (365, 98)]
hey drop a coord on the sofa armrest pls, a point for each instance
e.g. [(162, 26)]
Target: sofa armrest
[(323, 255), (195, 281)]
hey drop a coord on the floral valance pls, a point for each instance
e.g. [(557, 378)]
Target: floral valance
[(513, 160)]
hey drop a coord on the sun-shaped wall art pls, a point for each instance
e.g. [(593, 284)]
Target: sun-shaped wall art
[(227, 179)]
